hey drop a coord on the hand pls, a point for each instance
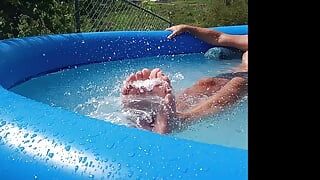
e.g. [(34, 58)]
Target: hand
[(177, 30)]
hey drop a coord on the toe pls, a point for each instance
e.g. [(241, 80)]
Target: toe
[(146, 73), (153, 74)]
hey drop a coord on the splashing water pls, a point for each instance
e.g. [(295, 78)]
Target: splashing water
[(147, 84), (94, 90)]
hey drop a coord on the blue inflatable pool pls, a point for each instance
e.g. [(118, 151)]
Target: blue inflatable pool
[(40, 141)]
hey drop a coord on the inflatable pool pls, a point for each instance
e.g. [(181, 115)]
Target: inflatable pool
[(40, 141)]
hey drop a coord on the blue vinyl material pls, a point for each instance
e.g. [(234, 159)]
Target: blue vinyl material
[(40, 141)]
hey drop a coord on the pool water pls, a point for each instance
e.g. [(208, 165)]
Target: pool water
[(94, 90)]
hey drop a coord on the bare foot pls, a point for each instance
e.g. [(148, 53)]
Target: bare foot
[(243, 67), (164, 121), (162, 89)]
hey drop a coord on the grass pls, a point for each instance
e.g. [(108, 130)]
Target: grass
[(205, 13)]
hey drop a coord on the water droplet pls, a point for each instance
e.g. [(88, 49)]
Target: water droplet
[(43, 54), (76, 168), (91, 176), (185, 170), (67, 148), (5, 136), (67, 94), (3, 123), (83, 42), (84, 159), (35, 177), (50, 155), (110, 146), (130, 173), (33, 135), (26, 135), (131, 154)]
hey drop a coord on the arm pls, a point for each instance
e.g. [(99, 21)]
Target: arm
[(226, 96), (216, 38), (212, 36)]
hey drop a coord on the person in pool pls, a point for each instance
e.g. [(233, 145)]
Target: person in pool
[(206, 97), (216, 38)]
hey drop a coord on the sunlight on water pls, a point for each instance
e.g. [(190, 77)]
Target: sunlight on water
[(94, 90)]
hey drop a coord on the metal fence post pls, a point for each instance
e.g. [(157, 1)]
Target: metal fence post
[(77, 15)]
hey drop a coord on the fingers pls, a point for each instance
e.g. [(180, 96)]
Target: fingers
[(174, 31), (169, 29), (172, 35)]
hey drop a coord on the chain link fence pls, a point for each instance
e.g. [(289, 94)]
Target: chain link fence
[(21, 18), (111, 15)]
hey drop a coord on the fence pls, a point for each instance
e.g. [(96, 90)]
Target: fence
[(22, 18), (110, 15)]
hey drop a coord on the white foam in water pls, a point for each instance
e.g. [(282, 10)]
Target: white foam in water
[(147, 84), (177, 77), (94, 90)]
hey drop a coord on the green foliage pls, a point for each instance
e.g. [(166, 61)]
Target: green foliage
[(19, 18)]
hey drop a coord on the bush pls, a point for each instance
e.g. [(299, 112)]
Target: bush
[(19, 18)]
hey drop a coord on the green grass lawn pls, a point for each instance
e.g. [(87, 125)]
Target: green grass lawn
[(203, 13)]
